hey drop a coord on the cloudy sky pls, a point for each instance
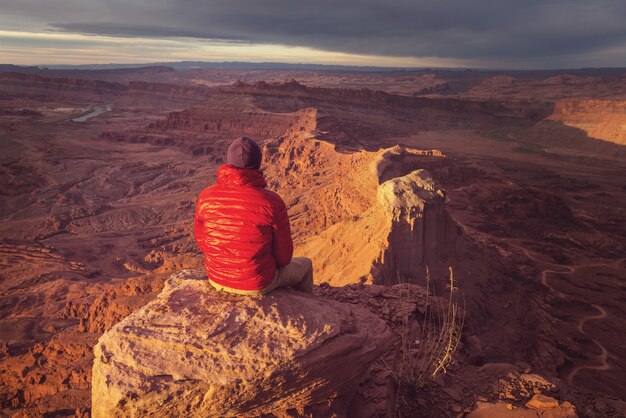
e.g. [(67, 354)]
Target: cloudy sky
[(443, 33)]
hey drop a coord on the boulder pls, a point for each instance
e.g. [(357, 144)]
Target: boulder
[(539, 406), (540, 401), (194, 351)]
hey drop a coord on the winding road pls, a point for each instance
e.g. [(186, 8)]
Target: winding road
[(604, 354)]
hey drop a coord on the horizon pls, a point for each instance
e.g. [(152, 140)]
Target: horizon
[(265, 65)]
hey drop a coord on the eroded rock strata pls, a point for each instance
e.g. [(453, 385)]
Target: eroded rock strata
[(379, 224)]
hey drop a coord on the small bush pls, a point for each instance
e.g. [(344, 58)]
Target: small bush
[(423, 358)]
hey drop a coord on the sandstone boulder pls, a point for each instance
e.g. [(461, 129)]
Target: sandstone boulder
[(194, 351), (540, 401)]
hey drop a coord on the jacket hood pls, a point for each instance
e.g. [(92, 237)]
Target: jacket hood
[(228, 175)]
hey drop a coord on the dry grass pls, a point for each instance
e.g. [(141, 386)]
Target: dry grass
[(423, 358)]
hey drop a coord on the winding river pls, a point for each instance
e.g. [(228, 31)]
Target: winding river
[(96, 110)]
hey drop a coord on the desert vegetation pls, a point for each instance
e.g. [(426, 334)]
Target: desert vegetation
[(425, 354)]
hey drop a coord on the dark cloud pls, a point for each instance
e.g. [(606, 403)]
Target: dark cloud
[(464, 29), (121, 30)]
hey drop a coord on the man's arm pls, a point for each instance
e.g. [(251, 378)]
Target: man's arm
[(282, 246), (198, 226)]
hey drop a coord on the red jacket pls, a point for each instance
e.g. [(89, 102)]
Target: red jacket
[(242, 229)]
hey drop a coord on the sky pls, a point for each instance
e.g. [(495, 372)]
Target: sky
[(512, 34)]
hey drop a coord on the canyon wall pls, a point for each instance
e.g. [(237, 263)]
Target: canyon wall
[(599, 119), (457, 108), (375, 217), (229, 122), (422, 234), (585, 127)]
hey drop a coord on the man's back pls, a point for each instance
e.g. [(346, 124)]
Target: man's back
[(242, 229)]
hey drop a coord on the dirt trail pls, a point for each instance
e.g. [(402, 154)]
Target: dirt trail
[(544, 277), (604, 354)]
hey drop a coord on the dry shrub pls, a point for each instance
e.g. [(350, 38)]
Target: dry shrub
[(423, 358)]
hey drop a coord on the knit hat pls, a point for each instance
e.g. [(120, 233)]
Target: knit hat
[(244, 153)]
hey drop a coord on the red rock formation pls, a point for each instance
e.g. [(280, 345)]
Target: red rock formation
[(457, 108), (364, 216), (553, 88), (599, 119)]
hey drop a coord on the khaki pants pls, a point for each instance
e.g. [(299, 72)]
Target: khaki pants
[(297, 274)]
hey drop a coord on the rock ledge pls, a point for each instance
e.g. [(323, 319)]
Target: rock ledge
[(195, 351)]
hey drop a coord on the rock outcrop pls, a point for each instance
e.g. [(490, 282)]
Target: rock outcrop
[(599, 119), (230, 121), (585, 127), (194, 351), (422, 233), (539, 406), (377, 217)]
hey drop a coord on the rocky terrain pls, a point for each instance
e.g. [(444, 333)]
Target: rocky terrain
[(521, 193)]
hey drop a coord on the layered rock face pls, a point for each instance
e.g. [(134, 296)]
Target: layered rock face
[(228, 122), (422, 234), (404, 232), (197, 352), (600, 119), (586, 127), (377, 217)]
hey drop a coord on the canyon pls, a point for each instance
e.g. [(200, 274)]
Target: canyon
[(514, 181)]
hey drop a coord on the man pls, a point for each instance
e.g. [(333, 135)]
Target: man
[(243, 229)]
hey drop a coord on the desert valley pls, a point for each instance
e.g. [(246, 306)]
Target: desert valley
[(516, 181)]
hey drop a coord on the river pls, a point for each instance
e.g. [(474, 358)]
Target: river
[(96, 110)]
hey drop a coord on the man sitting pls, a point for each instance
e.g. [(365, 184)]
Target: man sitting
[(243, 229)]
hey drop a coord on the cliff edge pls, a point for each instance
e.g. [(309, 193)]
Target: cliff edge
[(194, 351)]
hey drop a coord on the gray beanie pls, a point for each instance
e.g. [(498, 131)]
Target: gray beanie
[(244, 153)]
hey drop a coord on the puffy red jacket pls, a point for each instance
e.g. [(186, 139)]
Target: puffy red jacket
[(242, 229)]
